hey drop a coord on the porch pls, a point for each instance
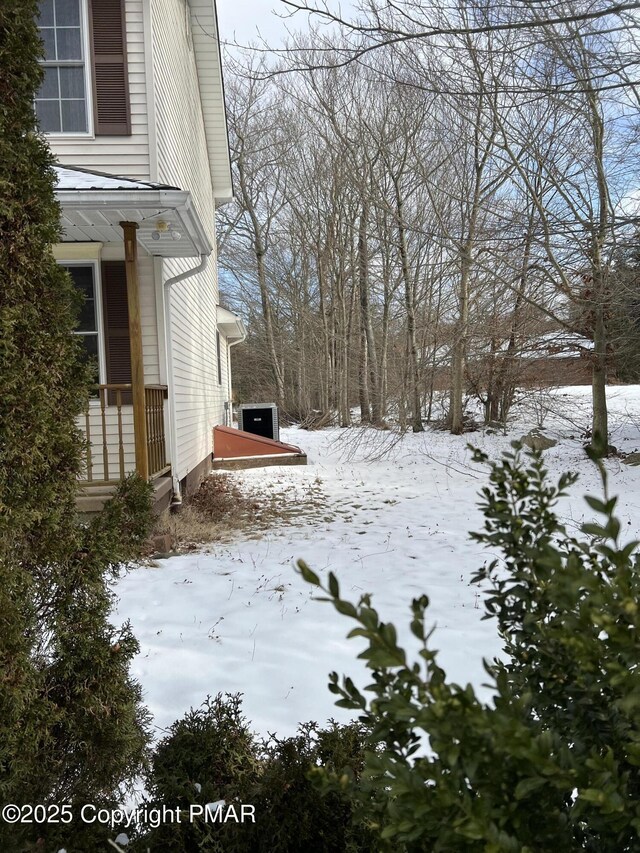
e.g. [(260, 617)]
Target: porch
[(112, 444), (113, 448), (126, 243)]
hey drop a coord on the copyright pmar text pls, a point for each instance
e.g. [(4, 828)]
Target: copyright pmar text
[(219, 812)]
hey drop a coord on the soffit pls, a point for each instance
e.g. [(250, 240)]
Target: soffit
[(93, 205)]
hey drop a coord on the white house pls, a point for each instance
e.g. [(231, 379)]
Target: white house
[(132, 106)]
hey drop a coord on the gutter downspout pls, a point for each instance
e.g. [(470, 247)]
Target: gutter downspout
[(229, 393), (176, 500)]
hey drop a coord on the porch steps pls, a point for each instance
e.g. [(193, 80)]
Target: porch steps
[(93, 498)]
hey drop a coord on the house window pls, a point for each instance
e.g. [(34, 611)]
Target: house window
[(62, 104), (85, 278), (218, 356), (76, 65)]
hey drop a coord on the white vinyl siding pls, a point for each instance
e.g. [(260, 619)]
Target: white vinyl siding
[(205, 41), (148, 321), (118, 155), (181, 145), (182, 160), (199, 399)]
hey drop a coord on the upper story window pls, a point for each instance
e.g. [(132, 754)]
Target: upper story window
[(62, 103), (86, 86)]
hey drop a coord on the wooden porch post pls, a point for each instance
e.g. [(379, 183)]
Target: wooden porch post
[(135, 338)]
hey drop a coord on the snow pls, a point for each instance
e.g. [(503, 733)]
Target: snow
[(82, 179), (559, 343), (391, 518)]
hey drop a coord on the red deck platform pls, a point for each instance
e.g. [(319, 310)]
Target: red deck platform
[(234, 448)]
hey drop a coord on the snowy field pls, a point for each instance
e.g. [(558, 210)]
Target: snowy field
[(391, 518)]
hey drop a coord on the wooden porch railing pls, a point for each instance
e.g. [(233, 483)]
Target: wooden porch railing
[(109, 431), (156, 446)]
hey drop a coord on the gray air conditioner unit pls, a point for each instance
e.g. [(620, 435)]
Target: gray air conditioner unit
[(259, 419)]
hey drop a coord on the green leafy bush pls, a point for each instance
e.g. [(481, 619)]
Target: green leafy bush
[(292, 813), (552, 763), (211, 755), (212, 747)]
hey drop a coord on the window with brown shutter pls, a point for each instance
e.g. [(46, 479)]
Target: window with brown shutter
[(61, 101), (110, 79), (116, 325)]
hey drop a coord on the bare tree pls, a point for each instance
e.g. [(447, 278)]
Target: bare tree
[(573, 166), (428, 209), (257, 157)]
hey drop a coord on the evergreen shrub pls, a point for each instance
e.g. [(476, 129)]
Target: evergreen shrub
[(72, 726), (211, 755)]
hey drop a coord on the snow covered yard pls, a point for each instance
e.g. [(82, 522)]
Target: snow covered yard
[(236, 617)]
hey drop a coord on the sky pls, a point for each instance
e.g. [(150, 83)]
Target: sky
[(248, 20), (245, 21)]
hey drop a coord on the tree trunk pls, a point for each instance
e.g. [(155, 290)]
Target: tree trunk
[(326, 379), (367, 346), (600, 425), (278, 374), (460, 346), (414, 375)]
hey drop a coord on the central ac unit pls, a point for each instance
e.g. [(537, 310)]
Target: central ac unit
[(259, 419)]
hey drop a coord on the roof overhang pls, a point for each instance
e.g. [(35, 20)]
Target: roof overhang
[(231, 326), (168, 225), (206, 44)]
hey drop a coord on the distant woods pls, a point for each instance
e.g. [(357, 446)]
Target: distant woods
[(447, 214)]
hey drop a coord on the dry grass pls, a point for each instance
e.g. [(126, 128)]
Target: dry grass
[(220, 510), (220, 500)]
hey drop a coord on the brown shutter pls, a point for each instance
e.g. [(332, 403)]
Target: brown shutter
[(110, 79), (116, 326)]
